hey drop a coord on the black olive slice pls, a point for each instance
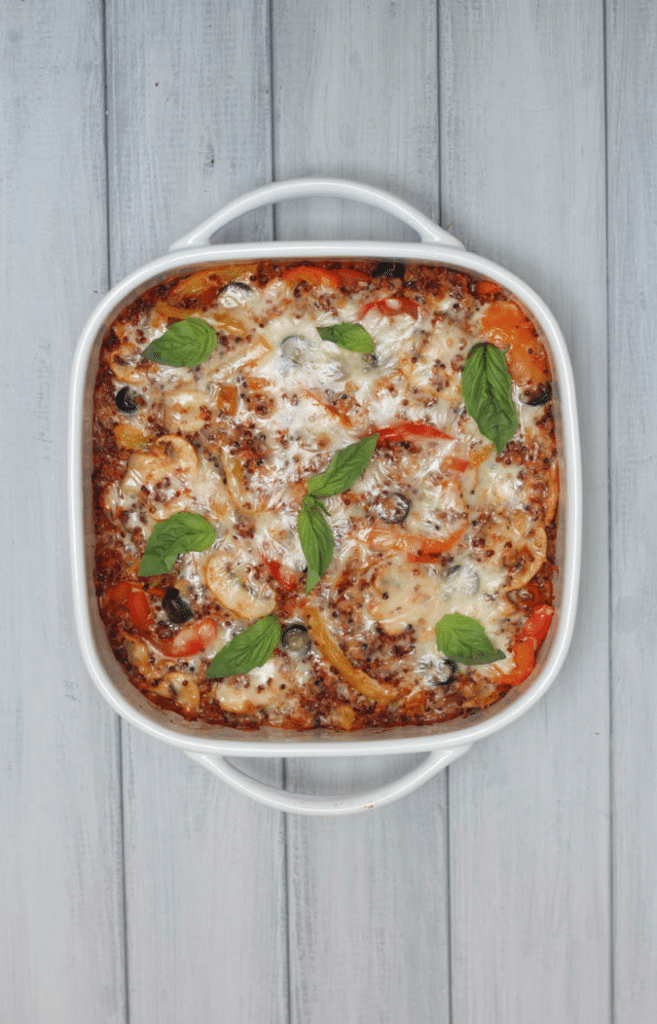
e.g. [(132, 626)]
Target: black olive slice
[(392, 507), (370, 360), (126, 400), (176, 608), (542, 398), (444, 672), (240, 286), (385, 269), (295, 640)]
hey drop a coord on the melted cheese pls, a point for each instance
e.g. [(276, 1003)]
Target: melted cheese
[(298, 400)]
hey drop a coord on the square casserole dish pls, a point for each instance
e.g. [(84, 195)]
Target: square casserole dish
[(211, 745)]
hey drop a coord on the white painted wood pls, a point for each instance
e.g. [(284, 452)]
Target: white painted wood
[(367, 895), (355, 96), (61, 921), (189, 130), (523, 181), (632, 162), (499, 881)]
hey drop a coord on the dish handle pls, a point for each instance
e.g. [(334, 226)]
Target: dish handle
[(333, 188), (327, 806)]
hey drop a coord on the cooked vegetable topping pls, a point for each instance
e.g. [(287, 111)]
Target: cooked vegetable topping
[(300, 519)]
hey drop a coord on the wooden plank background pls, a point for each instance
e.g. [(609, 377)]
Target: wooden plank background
[(519, 885)]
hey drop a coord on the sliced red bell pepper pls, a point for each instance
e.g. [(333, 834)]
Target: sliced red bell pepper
[(525, 646), (453, 463), (191, 639), (140, 610), (411, 432), (392, 306), (352, 278), (537, 625), (524, 653), (283, 576)]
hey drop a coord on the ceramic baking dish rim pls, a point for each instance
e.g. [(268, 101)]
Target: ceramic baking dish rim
[(424, 738)]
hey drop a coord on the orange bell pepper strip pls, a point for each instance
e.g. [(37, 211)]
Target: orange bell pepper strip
[(411, 432), (392, 306), (504, 324), (453, 464), (416, 547), (328, 646), (486, 290), (312, 276), (192, 638)]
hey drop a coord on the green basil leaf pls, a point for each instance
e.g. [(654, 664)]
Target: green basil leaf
[(187, 343), (249, 649), (486, 391), (464, 640), (183, 531), (351, 336), (316, 540), (344, 468)]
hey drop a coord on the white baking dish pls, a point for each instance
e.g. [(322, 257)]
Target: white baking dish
[(211, 745)]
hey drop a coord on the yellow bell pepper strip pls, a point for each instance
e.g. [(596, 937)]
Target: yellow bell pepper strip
[(328, 646)]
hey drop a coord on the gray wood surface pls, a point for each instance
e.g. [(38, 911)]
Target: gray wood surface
[(519, 885)]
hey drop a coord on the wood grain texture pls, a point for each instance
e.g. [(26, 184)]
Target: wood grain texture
[(523, 182), (632, 162), (516, 890), (355, 96), (61, 924), (188, 130), (368, 895)]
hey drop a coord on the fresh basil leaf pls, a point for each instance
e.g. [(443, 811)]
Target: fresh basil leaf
[(187, 343), (464, 640), (183, 531), (249, 649), (316, 540), (344, 468), (311, 501), (486, 391), (351, 336)]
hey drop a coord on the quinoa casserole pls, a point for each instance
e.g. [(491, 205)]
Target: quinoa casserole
[(325, 493)]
